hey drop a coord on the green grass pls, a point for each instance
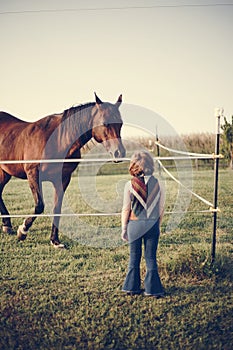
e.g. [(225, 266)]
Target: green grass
[(71, 299)]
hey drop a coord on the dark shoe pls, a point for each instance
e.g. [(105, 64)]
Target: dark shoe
[(129, 292), (156, 296)]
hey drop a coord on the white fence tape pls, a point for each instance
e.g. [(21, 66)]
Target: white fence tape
[(186, 188), (191, 154)]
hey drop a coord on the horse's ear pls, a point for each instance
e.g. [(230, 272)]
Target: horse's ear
[(98, 100), (119, 101)]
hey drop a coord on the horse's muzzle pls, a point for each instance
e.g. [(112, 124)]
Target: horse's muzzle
[(118, 154)]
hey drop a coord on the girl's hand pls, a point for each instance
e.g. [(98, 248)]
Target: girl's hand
[(124, 236)]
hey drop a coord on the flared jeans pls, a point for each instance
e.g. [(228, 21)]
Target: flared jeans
[(150, 238)]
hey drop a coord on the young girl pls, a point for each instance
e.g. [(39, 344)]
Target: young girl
[(141, 217)]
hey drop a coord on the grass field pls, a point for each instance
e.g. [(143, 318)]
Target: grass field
[(72, 299)]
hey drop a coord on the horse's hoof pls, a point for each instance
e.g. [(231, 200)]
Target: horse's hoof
[(21, 234), (7, 229), (57, 245)]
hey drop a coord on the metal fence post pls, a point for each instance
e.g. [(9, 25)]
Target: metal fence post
[(218, 114)]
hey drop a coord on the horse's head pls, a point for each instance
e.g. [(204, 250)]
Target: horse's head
[(107, 125)]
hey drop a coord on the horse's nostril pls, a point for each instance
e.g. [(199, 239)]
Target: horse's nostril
[(117, 154)]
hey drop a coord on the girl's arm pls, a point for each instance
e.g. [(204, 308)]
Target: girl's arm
[(161, 203), (125, 213)]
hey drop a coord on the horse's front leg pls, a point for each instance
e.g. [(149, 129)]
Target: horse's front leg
[(36, 188), (6, 222), (58, 198)]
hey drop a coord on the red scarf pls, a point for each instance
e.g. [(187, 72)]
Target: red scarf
[(145, 197), (139, 189)]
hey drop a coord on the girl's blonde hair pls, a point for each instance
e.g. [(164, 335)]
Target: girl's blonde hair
[(141, 164)]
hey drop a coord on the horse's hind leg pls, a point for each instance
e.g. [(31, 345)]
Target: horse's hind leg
[(6, 222), (36, 188)]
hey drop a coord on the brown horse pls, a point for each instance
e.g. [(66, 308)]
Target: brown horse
[(58, 136)]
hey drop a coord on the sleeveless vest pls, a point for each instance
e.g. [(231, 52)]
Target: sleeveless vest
[(145, 199)]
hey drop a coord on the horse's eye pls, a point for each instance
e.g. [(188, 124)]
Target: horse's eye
[(106, 125)]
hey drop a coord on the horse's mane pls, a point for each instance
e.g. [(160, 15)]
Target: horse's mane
[(76, 109), (75, 121)]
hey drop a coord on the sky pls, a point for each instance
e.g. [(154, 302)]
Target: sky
[(172, 58)]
